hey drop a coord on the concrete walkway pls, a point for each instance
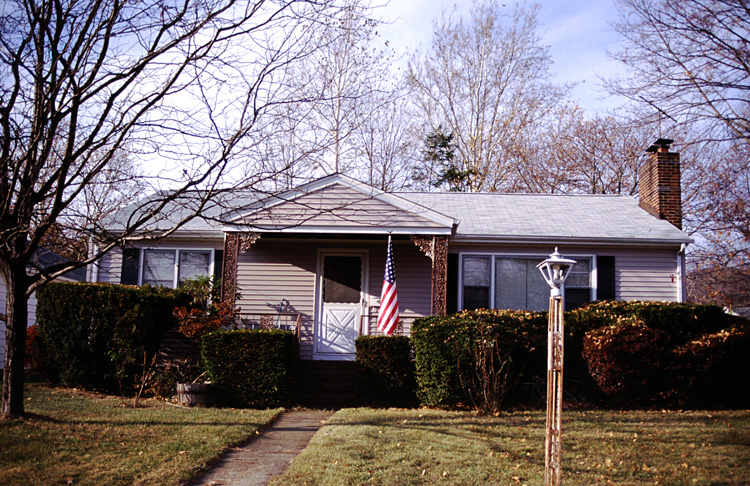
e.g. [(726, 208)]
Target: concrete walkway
[(268, 455)]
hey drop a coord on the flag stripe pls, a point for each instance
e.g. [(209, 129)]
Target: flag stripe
[(388, 314)]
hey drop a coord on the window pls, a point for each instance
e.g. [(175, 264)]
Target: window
[(476, 282), (514, 282), (167, 268)]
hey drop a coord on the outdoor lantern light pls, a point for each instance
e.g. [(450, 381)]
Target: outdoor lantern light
[(555, 270)]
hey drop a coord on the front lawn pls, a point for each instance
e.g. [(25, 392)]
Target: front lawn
[(429, 447), (80, 438)]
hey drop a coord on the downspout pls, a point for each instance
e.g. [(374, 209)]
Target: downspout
[(681, 273), (94, 265)]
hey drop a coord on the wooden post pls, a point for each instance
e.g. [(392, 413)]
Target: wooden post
[(553, 443)]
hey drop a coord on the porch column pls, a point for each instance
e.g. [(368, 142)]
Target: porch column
[(436, 248), (234, 244), (229, 272)]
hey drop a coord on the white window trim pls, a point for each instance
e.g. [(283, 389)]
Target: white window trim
[(176, 270), (524, 255)]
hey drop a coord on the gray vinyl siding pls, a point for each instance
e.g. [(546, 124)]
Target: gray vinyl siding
[(109, 267), (339, 206), (413, 280), (273, 270), (647, 275), (640, 273)]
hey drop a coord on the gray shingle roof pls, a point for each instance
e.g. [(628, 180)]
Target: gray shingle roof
[(506, 217), (543, 216)]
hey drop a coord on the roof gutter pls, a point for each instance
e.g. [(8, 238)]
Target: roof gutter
[(573, 240)]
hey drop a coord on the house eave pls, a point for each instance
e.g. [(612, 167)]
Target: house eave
[(364, 230), (360, 187), (573, 240)]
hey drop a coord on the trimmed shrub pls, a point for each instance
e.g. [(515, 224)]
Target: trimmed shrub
[(682, 322), (661, 354), (249, 368), (102, 336), (710, 372), (476, 358), (625, 358), (385, 371)]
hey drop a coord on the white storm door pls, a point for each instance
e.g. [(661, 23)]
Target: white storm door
[(340, 303)]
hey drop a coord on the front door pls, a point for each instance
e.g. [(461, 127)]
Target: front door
[(341, 299)]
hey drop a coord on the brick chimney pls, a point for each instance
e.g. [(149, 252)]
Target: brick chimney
[(659, 183)]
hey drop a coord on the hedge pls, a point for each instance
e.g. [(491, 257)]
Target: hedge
[(661, 354), (477, 358), (101, 336), (623, 354), (385, 371), (249, 368)]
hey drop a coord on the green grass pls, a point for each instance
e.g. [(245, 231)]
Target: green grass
[(428, 447), (73, 437)]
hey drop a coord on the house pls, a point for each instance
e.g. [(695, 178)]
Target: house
[(44, 258), (313, 258)]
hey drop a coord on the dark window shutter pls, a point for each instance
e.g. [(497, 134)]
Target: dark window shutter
[(605, 272), (218, 264), (130, 264), (452, 284)]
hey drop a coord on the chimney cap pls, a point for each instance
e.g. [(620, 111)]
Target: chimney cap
[(661, 144)]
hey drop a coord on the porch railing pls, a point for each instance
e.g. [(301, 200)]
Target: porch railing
[(286, 321), (368, 324)]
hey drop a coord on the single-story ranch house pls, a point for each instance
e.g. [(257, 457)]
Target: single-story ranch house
[(313, 258)]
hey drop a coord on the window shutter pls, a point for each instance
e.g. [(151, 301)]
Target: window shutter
[(130, 265), (452, 284), (218, 264), (605, 285)]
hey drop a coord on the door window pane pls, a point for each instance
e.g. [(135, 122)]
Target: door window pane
[(342, 279), (193, 264), (158, 268), (476, 282)]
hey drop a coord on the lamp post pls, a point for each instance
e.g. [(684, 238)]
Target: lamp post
[(555, 270)]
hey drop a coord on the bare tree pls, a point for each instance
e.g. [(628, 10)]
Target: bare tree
[(487, 82), (186, 86), (576, 154), (346, 80), (689, 66), (720, 258), (689, 62), (386, 143)]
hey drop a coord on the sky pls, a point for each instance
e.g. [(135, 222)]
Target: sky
[(577, 32)]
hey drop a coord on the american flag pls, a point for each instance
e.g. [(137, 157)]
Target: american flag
[(388, 315)]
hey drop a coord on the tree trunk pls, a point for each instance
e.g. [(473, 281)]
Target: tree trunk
[(16, 315)]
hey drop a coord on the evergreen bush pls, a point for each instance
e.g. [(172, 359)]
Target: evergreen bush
[(250, 368), (660, 354), (385, 371), (477, 358), (102, 336)]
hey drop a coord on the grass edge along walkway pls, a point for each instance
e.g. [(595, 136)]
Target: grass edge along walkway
[(431, 447), (83, 438)]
